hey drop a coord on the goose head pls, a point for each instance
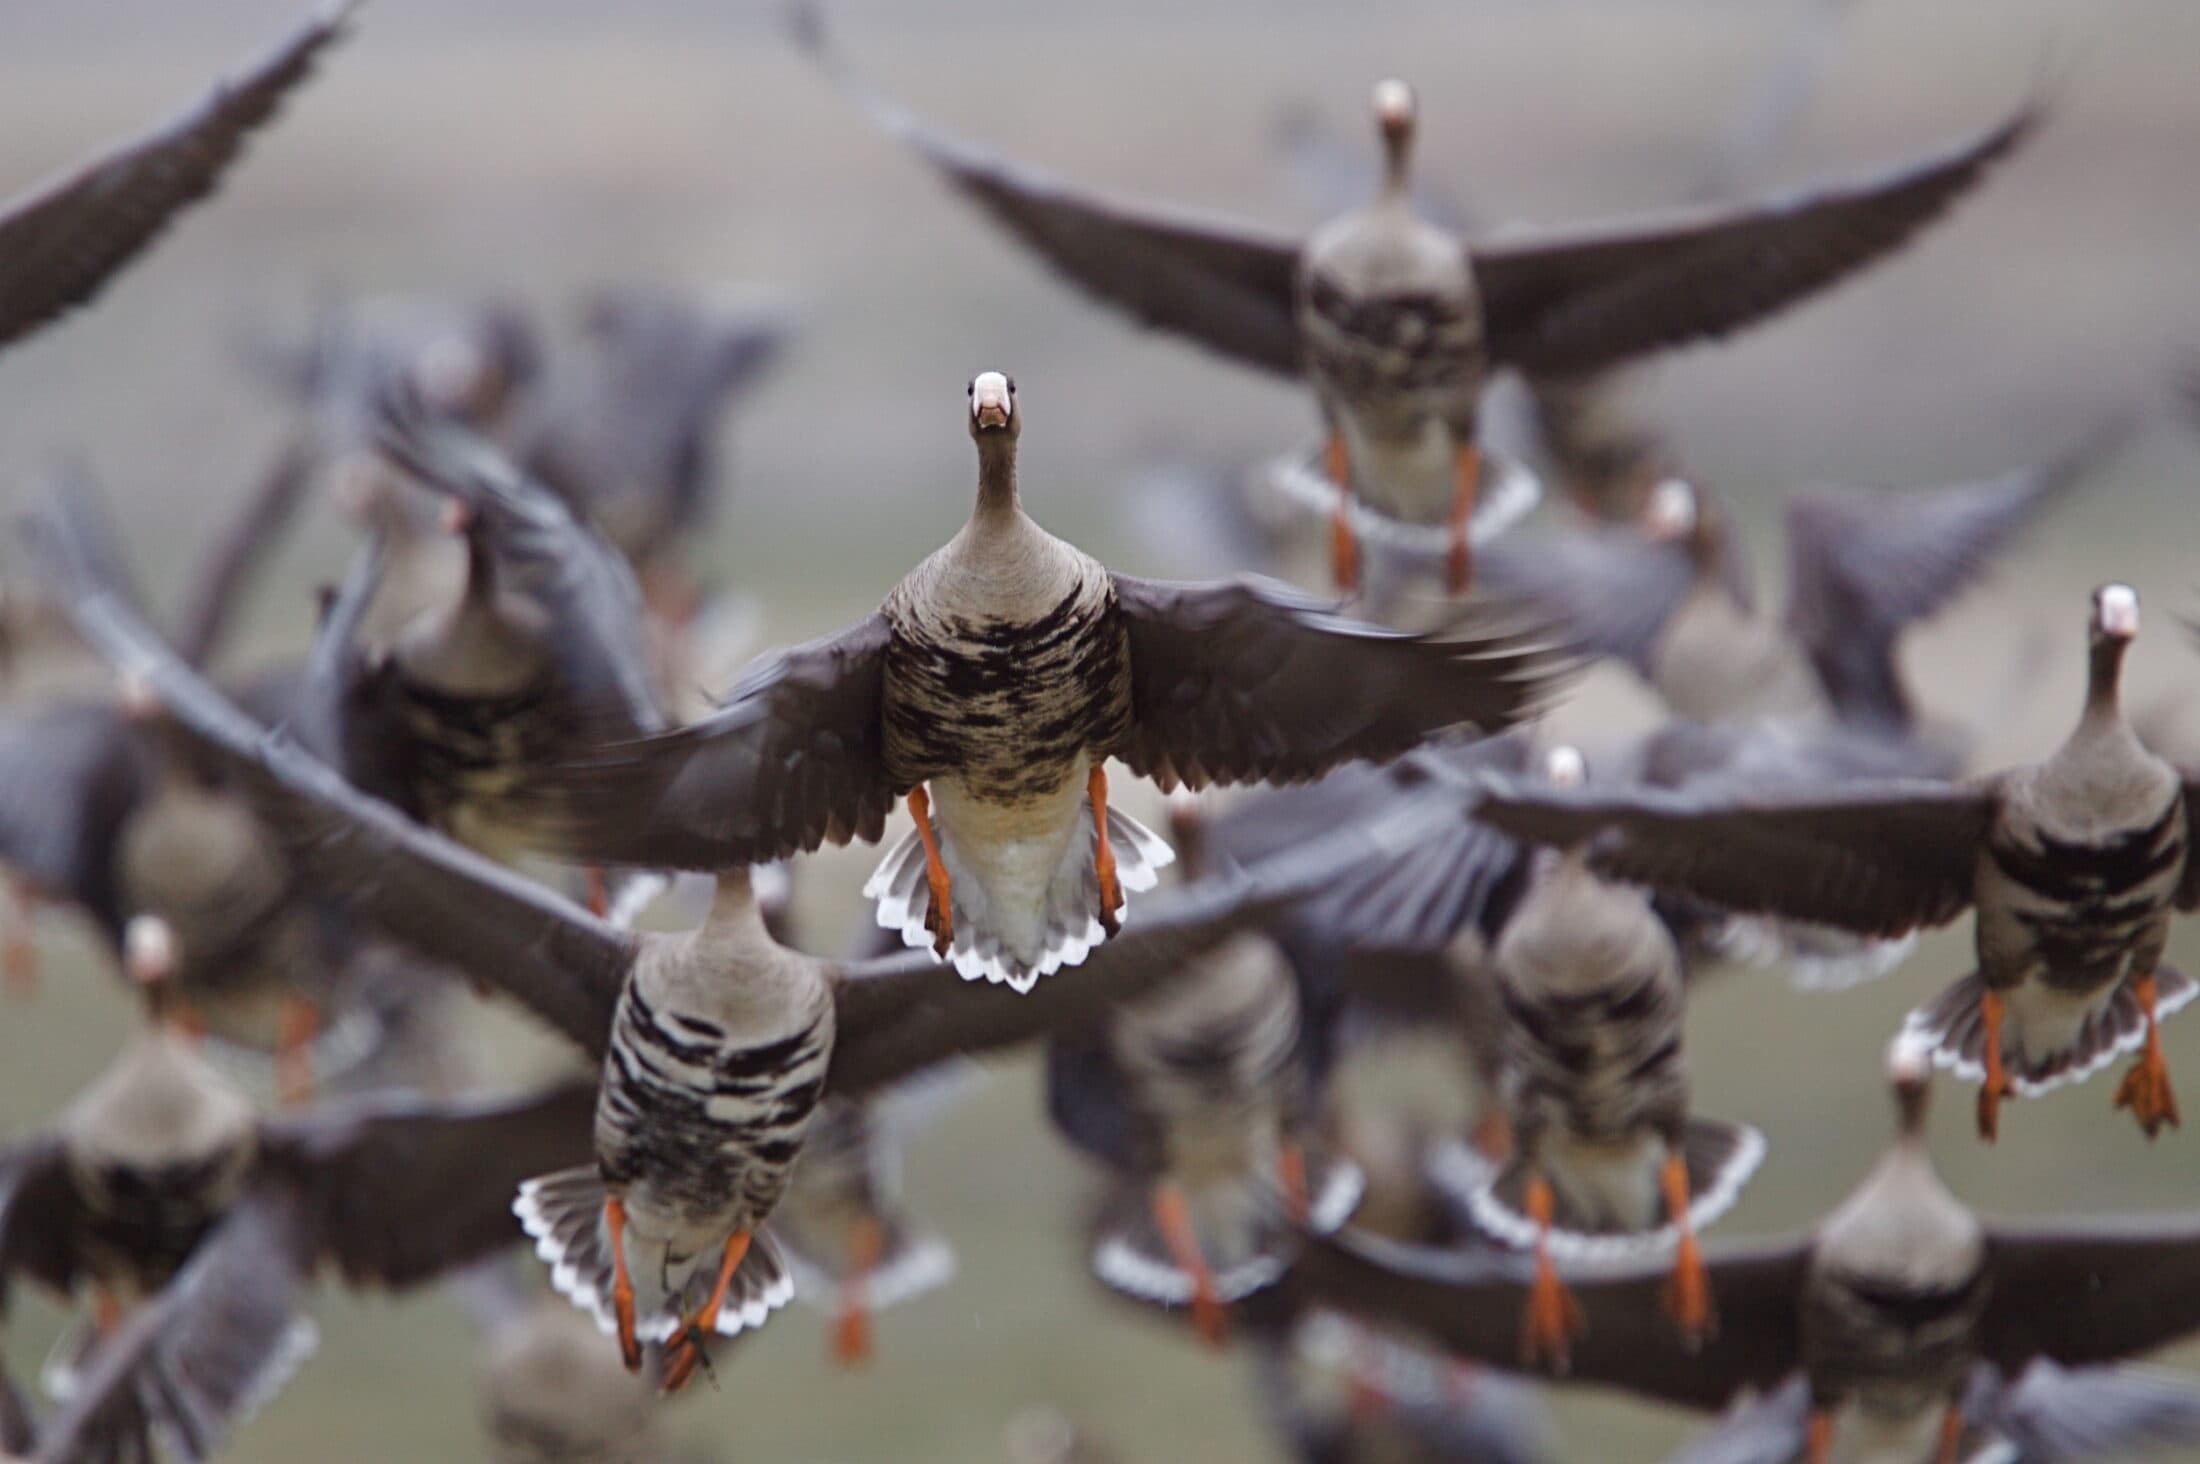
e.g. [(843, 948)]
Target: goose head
[(1397, 111), (2111, 628), (993, 406)]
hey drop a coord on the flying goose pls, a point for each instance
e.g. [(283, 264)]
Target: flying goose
[(717, 1043), (2076, 865), (1396, 322), (1915, 1327), (195, 1226), (1669, 594), (61, 241), (988, 691)]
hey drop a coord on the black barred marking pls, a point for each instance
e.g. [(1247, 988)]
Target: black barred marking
[(1602, 1062), (2075, 872), (145, 1221), (464, 749), (1909, 1345), (1412, 341)]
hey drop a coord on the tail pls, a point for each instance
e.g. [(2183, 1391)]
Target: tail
[(1818, 957), (1952, 1029), (911, 1261), (1509, 493), (1068, 927), (564, 1214), (1720, 1157), (1235, 1224)]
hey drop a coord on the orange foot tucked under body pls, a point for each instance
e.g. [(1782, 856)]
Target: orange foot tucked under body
[(622, 1285), (940, 919), (1996, 1086), (685, 1352), (1103, 857), (2145, 1089), (1344, 546), (1688, 1291), (1467, 483), (852, 1327), (1174, 1218)]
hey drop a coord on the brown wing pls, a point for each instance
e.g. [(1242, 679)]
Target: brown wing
[(903, 1013), (1224, 285), (1876, 858), (398, 1191), (1864, 565), (425, 891), (2088, 1291), (1569, 304), (199, 1356), (2188, 884), (63, 240), (1248, 680), (1470, 1304), (794, 759), (40, 1218)]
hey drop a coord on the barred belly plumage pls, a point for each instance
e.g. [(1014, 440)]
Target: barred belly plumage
[(2085, 906), (1397, 358), (1007, 706), (1602, 1062), (701, 1129)]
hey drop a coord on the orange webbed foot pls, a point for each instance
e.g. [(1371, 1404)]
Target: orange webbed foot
[(1996, 1085), (1174, 1219), (622, 1286), (1459, 558), (1103, 856), (1344, 547), (2145, 1090), (1553, 1318), (1688, 1290), (852, 1326), (940, 917)]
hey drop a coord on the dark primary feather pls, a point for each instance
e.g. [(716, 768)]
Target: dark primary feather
[(1611, 589), (1249, 680), (2090, 1291), (2071, 1416), (1565, 304), (1864, 565), (1875, 858), (792, 760), (399, 1190), (195, 1354), (60, 242), (40, 1216), (73, 774), (1226, 285), (1470, 1303)]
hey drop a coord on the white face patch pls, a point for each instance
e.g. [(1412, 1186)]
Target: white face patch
[(1566, 767), (990, 398), (1671, 512), (2119, 610), (1393, 103), (148, 948)]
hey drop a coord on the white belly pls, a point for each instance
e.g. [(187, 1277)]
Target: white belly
[(1413, 478), (1003, 860)]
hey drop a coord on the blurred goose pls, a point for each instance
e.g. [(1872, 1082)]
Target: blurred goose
[(196, 1225), (1917, 1330), (1195, 1098), (1669, 596), (1396, 321), (988, 691), (61, 241), (2076, 865), (1607, 1158), (717, 1043)]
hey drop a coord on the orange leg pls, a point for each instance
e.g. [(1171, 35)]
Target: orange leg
[(2145, 1089), (296, 1027), (1344, 547), (940, 919), (1103, 857), (1175, 1220), (1553, 1318), (1459, 560), (1818, 1437), (622, 1287), (106, 1311), (852, 1328), (1951, 1435), (686, 1351), (598, 891), (1291, 1177), (1688, 1292), (1996, 1086), (18, 940)]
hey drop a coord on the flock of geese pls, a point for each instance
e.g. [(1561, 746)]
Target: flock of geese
[(482, 772)]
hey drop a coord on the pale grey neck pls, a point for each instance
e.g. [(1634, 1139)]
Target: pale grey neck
[(998, 499), (2104, 684)]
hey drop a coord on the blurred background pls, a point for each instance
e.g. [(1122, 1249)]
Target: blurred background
[(538, 148)]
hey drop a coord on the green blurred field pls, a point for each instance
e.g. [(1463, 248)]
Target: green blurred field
[(544, 146)]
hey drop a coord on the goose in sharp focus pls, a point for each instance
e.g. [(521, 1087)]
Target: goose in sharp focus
[(196, 1226), (1396, 322), (988, 690), (2076, 865), (717, 1044), (1903, 1331), (61, 241), (1669, 595)]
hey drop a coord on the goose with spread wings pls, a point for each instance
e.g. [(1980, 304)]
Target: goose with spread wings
[(2076, 865), (1904, 1328), (1396, 321), (717, 1044), (988, 691)]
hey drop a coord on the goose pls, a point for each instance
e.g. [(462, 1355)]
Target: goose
[(1901, 1331), (717, 1044), (62, 240), (2075, 864), (1396, 321), (196, 1226), (987, 692)]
